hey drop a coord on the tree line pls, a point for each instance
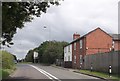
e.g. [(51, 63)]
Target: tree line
[(48, 52)]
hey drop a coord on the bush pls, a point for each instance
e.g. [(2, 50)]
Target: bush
[(5, 74), (7, 60)]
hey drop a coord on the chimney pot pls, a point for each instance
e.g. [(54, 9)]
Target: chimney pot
[(76, 36)]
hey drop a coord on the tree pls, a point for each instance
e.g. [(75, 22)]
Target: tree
[(29, 56), (15, 14), (49, 51), (15, 58)]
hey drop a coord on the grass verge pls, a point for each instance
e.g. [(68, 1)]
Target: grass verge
[(24, 62), (4, 73), (0, 74), (100, 74)]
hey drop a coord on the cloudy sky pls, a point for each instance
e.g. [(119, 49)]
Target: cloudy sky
[(62, 21)]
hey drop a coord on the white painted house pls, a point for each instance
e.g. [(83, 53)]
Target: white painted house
[(68, 53), (68, 56)]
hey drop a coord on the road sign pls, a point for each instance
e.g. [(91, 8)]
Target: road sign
[(35, 55)]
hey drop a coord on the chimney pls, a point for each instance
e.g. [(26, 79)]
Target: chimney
[(76, 36)]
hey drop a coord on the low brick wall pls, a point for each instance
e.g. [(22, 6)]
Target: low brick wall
[(101, 61)]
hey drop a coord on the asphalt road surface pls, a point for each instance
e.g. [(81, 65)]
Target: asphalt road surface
[(33, 72)]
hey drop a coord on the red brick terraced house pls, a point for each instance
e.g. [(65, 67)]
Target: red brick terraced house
[(96, 41)]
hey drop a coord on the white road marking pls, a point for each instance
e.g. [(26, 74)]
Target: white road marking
[(41, 71), (50, 76)]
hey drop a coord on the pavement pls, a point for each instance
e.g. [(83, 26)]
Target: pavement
[(31, 72)]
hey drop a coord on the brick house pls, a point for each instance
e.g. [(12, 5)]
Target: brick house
[(96, 41), (75, 50), (68, 56)]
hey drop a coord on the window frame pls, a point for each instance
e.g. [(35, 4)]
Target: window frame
[(75, 46), (69, 48), (81, 44), (68, 57), (75, 59)]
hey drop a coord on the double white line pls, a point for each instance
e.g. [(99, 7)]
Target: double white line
[(50, 76)]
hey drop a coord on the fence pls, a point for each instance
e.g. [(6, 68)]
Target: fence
[(101, 61), (59, 62)]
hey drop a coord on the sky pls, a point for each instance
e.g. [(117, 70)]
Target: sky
[(61, 22)]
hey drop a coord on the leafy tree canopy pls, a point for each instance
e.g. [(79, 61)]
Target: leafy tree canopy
[(29, 56), (15, 14), (48, 52)]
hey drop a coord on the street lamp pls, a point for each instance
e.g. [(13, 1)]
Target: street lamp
[(49, 32)]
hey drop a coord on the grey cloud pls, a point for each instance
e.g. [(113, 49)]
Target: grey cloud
[(62, 21)]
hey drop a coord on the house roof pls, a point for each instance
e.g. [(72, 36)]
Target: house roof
[(88, 34), (115, 36)]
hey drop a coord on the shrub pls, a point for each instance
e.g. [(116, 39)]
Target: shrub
[(7, 60)]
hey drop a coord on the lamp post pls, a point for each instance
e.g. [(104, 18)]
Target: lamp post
[(49, 32)]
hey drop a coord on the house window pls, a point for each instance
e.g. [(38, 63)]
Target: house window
[(74, 46), (69, 48), (80, 58), (65, 49), (65, 59), (68, 58), (113, 44), (74, 58), (80, 44)]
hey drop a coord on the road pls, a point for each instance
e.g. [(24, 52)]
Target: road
[(48, 73)]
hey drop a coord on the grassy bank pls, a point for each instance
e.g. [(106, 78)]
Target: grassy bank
[(100, 74), (0, 74), (8, 64), (4, 73)]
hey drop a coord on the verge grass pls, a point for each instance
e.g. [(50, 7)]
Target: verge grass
[(101, 74)]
